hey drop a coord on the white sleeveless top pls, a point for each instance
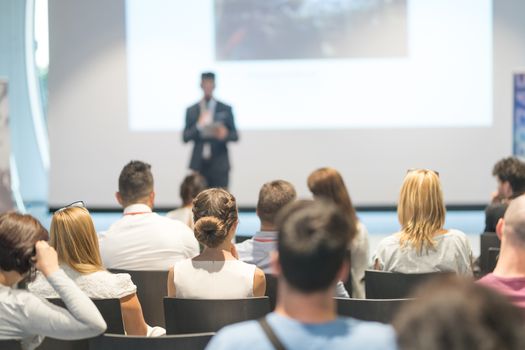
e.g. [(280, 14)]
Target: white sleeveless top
[(229, 279)]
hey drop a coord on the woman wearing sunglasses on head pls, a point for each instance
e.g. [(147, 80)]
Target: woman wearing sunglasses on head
[(75, 240), (25, 316), (423, 245)]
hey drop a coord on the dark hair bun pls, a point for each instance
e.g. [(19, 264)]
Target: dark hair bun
[(210, 231)]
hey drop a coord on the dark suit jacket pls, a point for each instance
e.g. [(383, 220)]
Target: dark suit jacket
[(219, 160)]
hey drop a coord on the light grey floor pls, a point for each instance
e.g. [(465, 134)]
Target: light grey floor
[(379, 224)]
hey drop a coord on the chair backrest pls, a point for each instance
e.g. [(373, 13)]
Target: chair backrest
[(487, 240), (205, 315), (394, 285), (151, 288), (493, 256), (271, 289), (378, 310), (168, 342), (59, 344), (240, 239), (10, 344), (109, 309)]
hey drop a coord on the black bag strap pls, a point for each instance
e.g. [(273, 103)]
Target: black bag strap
[(270, 334)]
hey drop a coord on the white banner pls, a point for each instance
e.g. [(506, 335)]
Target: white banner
[(6, 196)]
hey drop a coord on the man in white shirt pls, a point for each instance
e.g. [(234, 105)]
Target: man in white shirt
[(142, 239), (273, 196)]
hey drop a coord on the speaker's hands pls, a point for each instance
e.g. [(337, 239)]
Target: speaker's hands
[(221, 133)]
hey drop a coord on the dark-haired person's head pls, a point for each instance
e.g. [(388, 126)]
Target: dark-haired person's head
[(451, 313), (215, 217), (208, 84), (273, 196), (18, 236), (493, 213), (510, 173), (313, 237), (329, 184), (190, 187), (135, 184)]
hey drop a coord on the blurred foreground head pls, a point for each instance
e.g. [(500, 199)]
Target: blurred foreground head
[(455, 314)]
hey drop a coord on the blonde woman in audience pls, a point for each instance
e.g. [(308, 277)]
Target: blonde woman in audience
[(191, 186), (24, 316), (423, 245), (75, 240), (329, 184), (216, 273)]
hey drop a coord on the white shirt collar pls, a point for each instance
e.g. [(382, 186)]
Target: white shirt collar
[(137, 208)]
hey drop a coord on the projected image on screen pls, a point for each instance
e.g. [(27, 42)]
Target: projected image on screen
[(309, 29), (310, 65)]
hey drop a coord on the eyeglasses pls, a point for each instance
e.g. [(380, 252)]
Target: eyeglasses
[(423, 169), (77, 204)]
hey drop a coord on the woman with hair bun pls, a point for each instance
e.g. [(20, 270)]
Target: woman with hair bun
[(216, 273)]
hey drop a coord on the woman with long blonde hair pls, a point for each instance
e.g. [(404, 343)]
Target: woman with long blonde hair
[(329, 184), (73, 236), (423, 244)]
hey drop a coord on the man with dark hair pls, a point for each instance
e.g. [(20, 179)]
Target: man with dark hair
[(210, 125), (191, 186), (273, 196), (142, 239), (510, 175), (313, 237)]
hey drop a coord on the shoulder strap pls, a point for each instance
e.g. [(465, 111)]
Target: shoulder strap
[(270, 334)]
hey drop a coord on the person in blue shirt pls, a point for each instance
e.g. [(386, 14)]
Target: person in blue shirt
[(311, 257)]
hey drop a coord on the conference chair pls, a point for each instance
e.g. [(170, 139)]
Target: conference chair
[(394, 285), (378, 310), (240, 238), (10, 344), (151, 288), (271, 289), (168, 342), (493, 256), (209, 315), (487, 241), (110, 311)]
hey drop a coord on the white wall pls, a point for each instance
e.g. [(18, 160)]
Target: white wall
[(90, 139)]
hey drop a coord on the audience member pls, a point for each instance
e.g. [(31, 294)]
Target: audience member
[(313, 239), (191, 186), (25, 316), (493, 213), (329, 184), (273, 196), (142, 239), (216, 273), (457, 314), (75, 240), (423, 245), (509, 275), (510, 175)]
